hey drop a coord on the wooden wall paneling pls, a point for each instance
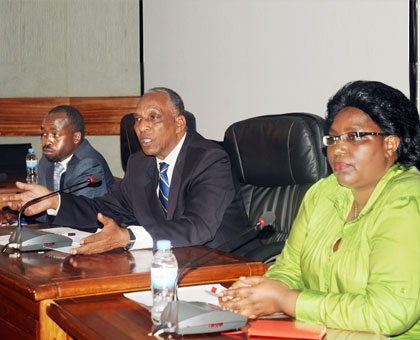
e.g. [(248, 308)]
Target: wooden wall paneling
[(103, 114), (23, 116)]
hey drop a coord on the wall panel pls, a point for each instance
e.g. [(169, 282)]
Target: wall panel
[(69, 48)]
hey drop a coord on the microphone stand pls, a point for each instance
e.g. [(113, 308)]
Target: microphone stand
[(185, 317), (212, 250), (37, 240)]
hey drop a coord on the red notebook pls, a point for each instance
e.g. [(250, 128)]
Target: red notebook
[(286, 329)]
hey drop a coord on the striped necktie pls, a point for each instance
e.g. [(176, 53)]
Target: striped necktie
[(163, 186), (58, 170)]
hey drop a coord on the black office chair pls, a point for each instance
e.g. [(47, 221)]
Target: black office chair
[(129, 143), (276, 158)]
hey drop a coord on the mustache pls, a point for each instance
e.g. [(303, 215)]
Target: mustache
[(47, 148)]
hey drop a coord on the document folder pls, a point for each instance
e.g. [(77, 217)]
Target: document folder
[(286, 329)]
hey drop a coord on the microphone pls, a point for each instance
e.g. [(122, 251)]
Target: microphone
[(3, 177), (25, 239), (184, 317)]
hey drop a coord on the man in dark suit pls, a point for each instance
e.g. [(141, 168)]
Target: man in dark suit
[(68, 158), (203, 207)]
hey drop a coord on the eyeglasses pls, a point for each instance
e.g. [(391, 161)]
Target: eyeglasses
[(350, 137)]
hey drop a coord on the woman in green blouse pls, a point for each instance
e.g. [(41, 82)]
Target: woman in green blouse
[(352, 260)]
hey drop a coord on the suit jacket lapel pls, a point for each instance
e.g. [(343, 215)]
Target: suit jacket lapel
[(49, 172), (150, 189), (70, 168), (175, 184), (74, 161)]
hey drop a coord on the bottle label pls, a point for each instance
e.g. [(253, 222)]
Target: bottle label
[(163, 277), (31, 163)]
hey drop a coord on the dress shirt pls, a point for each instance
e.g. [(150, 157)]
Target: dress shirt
[(143, 238), (64, 163), (372, 281)]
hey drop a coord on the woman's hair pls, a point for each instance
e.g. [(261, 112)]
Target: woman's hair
[(389, 108)]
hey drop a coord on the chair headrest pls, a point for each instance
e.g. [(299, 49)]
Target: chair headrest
[(190, 118), (277, 150)]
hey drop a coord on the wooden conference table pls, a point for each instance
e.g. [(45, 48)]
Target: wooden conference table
[(114, 317), (30, 281)]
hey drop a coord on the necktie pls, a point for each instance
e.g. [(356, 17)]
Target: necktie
[(58, 170), (163, 186)]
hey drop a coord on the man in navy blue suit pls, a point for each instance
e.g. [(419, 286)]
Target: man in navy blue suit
[(68, 158), (203, 205)]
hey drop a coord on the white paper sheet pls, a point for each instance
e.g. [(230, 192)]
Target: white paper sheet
[(201, 293), (4, 239), (69, 233)]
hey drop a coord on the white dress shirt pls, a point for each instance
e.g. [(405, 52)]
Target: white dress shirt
[(64, 163), (143, 238)]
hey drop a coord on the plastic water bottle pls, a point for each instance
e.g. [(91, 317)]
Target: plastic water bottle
[(31, 167), (163, 271)]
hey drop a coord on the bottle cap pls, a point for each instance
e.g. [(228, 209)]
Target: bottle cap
[(31, 150), (163, 244)]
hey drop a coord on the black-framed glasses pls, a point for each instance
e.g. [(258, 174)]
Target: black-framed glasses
[(350, 137)]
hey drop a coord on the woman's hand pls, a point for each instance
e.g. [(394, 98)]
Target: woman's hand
[(257, 295)]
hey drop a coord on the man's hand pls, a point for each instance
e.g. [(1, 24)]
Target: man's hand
[(8, 217), (31, 191), (112, 236)]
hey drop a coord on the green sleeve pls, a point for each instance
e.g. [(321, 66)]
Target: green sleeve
[(390, 303), (287, 266)]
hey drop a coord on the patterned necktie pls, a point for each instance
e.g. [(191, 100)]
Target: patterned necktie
[(58, 170), (163, 186)]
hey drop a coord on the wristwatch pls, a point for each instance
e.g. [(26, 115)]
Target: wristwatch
[(130, 243)]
